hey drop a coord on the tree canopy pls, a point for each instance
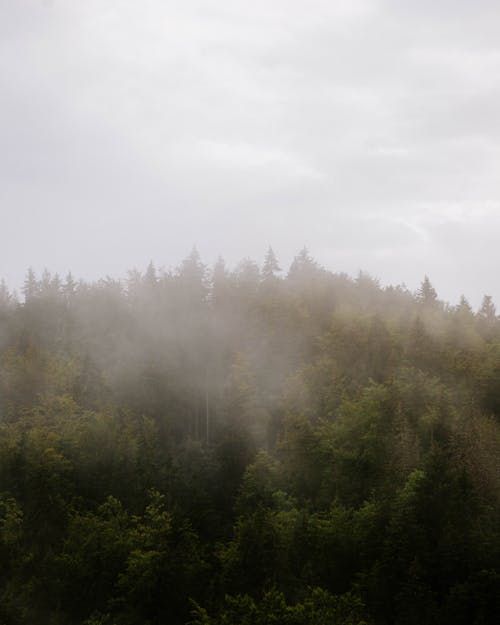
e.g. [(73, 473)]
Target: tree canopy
[(233, 447)]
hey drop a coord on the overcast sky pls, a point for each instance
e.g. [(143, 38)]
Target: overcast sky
[(131, 130)]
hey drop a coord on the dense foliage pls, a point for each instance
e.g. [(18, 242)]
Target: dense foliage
[(237, 448)]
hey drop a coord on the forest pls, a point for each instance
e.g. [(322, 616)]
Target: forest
[(247, 446)]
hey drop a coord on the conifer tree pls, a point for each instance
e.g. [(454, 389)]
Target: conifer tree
[(271, 266), (486, 317), (31, 286), (303, 265), (150, 279), (46, 282), (426, 294), (5, 296), (192, 278), (69, 286), (220, 283), (487, 310), (464, 308)]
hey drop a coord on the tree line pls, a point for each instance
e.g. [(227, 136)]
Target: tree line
[(247, 446)]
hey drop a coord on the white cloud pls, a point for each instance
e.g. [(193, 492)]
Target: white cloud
[(367, 130)]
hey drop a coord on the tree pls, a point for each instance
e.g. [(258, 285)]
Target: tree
[(271, 266), (132, 470), (303, 266), (150, 278), (192, 280), (426, 294), (220, 284), (487, 310), (421, 346), (5, 296), (31, 286), (247, 275), (463, 308), (69, 286), (486, 317)]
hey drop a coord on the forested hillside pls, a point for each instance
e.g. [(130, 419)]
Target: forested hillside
[(247, 447)]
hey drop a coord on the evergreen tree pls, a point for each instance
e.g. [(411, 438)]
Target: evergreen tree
[(150, 278), (271, 266), (220, 284), (486, 317), (426, 294), (31, 286), (46, 282), (464, 309), (192, 279), (5, 296), (134, 281), (487, 312), (69, 286), (303, 266)]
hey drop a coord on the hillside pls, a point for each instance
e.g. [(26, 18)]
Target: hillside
[(247, 446)]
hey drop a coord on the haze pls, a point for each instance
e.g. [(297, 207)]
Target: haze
[(367, 131)]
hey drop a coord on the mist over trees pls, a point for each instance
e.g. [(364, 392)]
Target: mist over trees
[(252, 445)]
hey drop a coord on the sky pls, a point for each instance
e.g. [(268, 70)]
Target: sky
[(368, 131)]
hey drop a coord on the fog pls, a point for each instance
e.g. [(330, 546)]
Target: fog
[(367, 131), (198, 436), (239, 382)]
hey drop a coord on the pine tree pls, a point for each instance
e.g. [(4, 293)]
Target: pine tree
[(487, 310), (150, 279), (134, 279), (300, 261), (31, 286), (464, 308), (5, 296), (426, 294), (247, 275), (220, 283), (192, 278), (69, 286), (303, 266), (56, 285), (271, 266), (486, 318), (46, 282)]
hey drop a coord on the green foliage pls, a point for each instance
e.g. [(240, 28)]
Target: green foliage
[(233, 447), (317, 608)]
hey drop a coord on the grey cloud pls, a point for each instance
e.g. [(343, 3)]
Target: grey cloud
[(136, 130)]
